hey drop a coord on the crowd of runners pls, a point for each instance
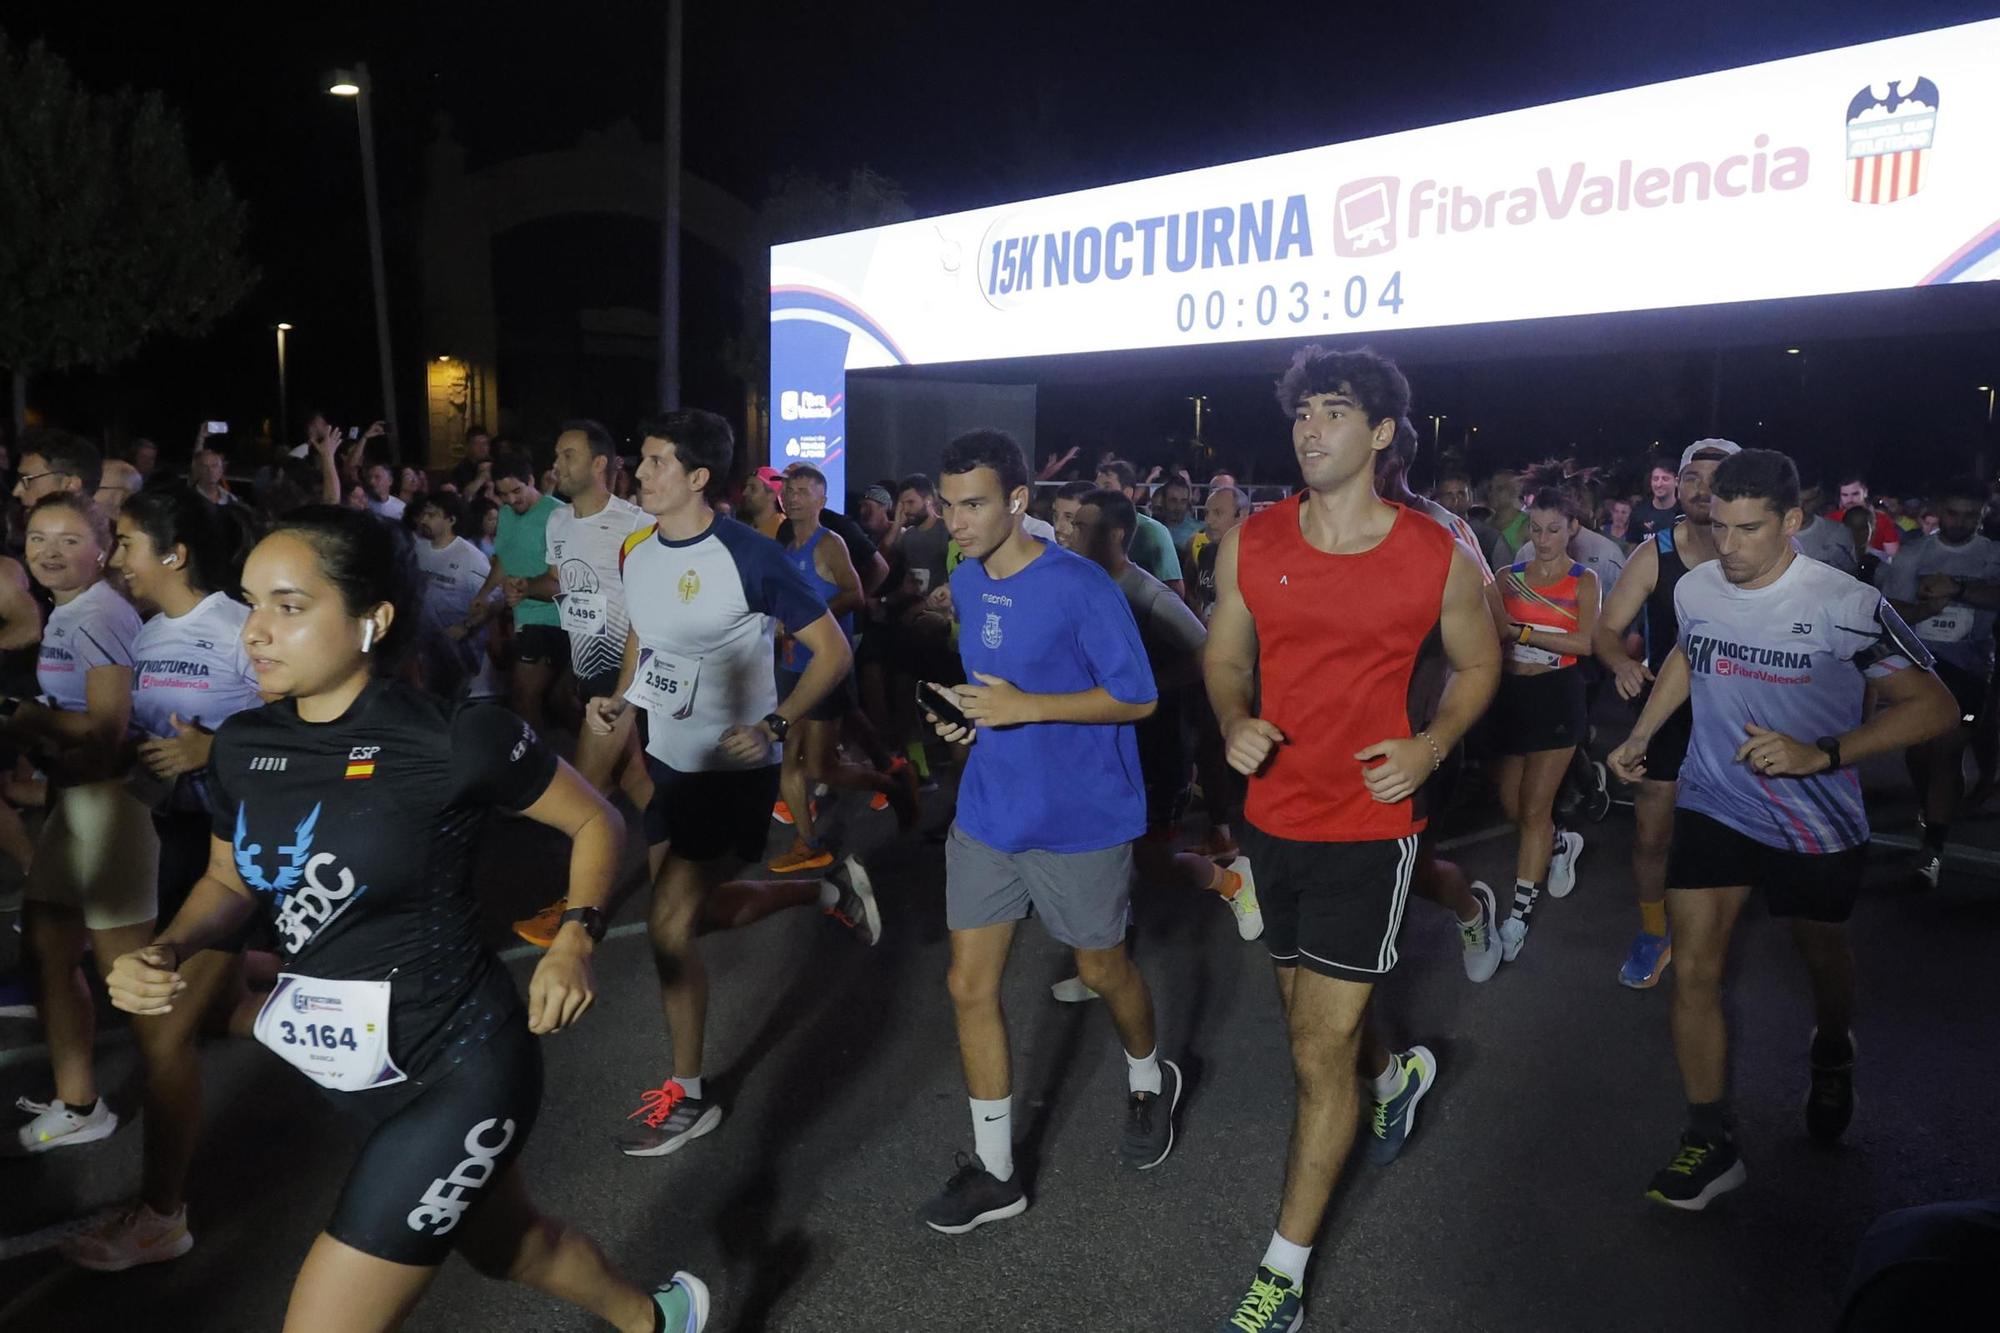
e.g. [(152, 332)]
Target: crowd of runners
[(246, 711)]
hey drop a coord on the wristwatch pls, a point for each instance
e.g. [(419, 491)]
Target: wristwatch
[(591, 917), (1830, 746), (777, 724)]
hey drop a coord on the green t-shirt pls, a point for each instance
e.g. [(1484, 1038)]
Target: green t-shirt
[(521, 547), (1153, 550)]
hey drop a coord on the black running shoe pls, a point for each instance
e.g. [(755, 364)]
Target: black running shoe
[(1149, 1121), (972, 1198), (1699, 1172), (1830, 1100)]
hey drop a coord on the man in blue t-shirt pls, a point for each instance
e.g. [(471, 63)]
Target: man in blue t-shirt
[(1051, 801)]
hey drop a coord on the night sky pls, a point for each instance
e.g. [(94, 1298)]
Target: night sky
[(970, 106)]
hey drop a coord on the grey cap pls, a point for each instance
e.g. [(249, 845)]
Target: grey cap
[(1724, 446), (879, 494)]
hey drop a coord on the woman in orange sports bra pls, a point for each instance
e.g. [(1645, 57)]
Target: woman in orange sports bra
[(1537, 719)]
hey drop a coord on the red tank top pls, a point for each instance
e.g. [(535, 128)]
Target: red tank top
[(1338, 637), (1550, 608)]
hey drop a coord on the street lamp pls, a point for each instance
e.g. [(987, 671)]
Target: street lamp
[(284, 407), (1987, 389), (1437, 425), (354, 83)]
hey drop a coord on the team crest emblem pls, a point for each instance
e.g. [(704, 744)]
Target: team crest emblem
[(689, 587), (1890, 129), (990, 634)]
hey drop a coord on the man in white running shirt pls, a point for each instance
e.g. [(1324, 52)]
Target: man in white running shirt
[(454, 571)]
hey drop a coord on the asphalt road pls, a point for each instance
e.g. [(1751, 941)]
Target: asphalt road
[(1517, 1205)]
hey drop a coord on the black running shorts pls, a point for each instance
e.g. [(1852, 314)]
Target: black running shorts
[(709, 816), (1532, 714), (1968, 689), (434, 1153), (1708, 854), (1669, 746), (1332, 907), (541, 645)]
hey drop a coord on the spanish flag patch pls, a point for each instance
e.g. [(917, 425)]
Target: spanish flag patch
[(362, 769)]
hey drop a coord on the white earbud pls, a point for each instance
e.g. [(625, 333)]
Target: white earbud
[(167, 560), (367, 635), (1015, 508)]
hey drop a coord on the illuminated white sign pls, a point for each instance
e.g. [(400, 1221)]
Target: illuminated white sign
[(1868, 168)]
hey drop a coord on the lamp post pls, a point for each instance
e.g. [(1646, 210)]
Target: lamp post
[(354, 83), (1437, 430), (284, 404)]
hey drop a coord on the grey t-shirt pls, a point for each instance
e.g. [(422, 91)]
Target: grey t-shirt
[(1173, 635), (923, 551), (1828, 542), (1958, 634)]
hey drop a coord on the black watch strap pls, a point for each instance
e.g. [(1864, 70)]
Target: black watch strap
[(591, 917), (777, 724), (1830, 746)]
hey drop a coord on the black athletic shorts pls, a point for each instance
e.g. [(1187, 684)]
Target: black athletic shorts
[(1708, 854), (601, 686), (431, 1157), (1536, 713), (1669, 746), (541, 645), (707, 816), (841, 700), (1332, 907), (1970, 690)]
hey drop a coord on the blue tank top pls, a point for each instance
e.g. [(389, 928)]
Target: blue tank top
[(796, 654)]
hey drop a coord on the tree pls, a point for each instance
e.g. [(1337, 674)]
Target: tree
[(107, 234)]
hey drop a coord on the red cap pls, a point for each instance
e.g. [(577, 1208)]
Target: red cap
[(771, 477)]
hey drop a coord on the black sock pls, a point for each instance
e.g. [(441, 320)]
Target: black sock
[(1934, 835), (1709, 1121), (1832, 1048)]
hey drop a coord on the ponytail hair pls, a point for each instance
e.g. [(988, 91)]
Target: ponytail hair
[(218, 538)]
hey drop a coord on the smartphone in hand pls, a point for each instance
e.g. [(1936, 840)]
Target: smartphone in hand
[(941, 706)]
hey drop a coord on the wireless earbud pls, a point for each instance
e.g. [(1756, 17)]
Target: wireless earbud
[(167, 560), (1015, 508), (367, 635)]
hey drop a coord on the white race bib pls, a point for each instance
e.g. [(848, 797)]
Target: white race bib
[(1950, 625), (664, 685), (334, 1032), (584, 613), (1529, 655)]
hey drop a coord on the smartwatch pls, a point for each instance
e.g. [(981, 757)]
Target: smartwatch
[(591, 917), (1830, 746), (778, 725)]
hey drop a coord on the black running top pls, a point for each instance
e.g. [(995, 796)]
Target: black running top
[(356, 838), (1663, 627)]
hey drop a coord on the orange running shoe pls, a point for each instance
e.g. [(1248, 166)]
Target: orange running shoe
[(803, 856), (540, 929)]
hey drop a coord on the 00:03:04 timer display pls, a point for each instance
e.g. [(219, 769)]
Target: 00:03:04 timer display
[(1293, 304)]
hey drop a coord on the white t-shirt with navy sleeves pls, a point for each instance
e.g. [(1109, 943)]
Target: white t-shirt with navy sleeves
[(95, 628)]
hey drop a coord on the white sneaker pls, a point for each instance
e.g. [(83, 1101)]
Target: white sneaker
[(127, 1236), (58, 1126), (1513, 934), (1249, 916), (1073, 991), (1483, 947), (1562, 866)]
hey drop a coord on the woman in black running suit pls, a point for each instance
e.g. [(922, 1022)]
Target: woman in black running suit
[(345, 815)]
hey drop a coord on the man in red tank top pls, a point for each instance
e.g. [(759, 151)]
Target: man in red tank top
[(1323, 606)]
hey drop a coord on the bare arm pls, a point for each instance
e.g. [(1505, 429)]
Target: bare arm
[(836, 566), (1670, 691), (873, 573), (1621, 609), (562, 988), (146, 980), (1912, 706), (1473, 651)]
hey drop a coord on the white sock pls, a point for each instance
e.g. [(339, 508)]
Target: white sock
[(1390, 1081), (1142, 1072), (829, 893), (692, 1086), (1284, 1257), (993, 1135)]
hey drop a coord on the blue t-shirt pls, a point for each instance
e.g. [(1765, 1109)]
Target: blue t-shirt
[(1059, 625)]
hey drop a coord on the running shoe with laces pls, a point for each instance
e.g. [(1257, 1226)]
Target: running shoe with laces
[(857, 908), (1244, 906), (540, 929), (783, 813), (1071, 990), (1699, 1172), (1272, 1305), (1562, 865), (1925, 872), (1646, 961), (58, 1126), (668, 1119), (1396, 1118), (1513, 937), (803, 856), (127, 1236), (1483, 947), (1149, 1121), (682, 1303), (1830, 1098), (972, 1198)]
